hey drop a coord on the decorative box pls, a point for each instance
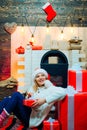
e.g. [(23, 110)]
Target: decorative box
[(51, 124), (28, 102), (72, 112), (78, 79)]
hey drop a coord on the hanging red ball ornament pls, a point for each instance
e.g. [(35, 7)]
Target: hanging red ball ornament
[(20, 50)]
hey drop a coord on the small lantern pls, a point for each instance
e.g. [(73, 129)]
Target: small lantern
[(20, 50)]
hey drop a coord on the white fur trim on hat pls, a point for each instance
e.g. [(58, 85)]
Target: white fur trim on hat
[(39, 71)]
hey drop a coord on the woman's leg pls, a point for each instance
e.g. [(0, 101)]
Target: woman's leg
[(3, 103), (40, 127), (23, 115), (15, 105), (16, 100), (3, 114)]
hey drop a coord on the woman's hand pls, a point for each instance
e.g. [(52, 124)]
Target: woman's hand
[(38, 102), (29, 95)]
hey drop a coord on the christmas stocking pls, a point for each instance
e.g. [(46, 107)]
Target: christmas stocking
[(51, 13)]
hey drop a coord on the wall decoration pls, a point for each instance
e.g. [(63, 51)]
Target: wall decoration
[(10, 27), (12, 10), (51, 13), (75, 43), (20, 50), (5, 60)]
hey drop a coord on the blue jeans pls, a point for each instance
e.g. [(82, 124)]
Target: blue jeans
[(15, 104)]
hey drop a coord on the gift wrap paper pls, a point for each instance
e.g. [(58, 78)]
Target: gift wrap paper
[(78, 79), (47, 125), (72, 112)]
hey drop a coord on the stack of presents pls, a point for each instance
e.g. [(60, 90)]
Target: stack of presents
[(72, 110)]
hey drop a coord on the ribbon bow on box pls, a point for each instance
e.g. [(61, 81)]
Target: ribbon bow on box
[(51, 124), (51, 120)]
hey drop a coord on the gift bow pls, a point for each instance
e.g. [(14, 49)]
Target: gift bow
[(51, 120)]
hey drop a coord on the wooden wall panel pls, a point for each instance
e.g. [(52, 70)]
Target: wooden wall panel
[(5, 56)]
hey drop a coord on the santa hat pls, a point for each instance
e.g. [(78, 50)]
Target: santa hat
[(37, 71)]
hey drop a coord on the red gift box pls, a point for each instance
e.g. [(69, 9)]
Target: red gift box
[(78, 79), (51, 125), (28, 102), (72, 112)]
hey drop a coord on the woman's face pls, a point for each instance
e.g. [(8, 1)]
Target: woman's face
[(40, 79)]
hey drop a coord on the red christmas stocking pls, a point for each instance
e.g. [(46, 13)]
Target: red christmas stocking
[(51, 13)]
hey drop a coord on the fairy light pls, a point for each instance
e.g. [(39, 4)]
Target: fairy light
[(32, 38), (47, 28), (62, 35), (72, 29), (22, 28)]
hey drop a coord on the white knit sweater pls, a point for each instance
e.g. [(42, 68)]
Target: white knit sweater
[(51, 94)]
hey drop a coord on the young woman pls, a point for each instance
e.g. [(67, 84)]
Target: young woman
[(45, 95)]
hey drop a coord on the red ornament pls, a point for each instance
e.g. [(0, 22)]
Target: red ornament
[(20, 50), (37, 47), (31, 43)]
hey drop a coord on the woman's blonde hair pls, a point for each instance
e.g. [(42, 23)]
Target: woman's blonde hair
[(35, 86)]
